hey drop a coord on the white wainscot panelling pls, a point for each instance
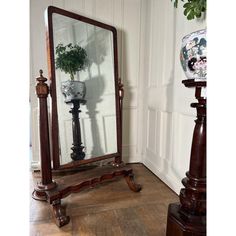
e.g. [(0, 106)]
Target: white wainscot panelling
[(35, 158), (75, 5), (159, 137), (166, 136), (129, 135), (58, 3), (104, 10), (89, 8), (151, 139), (131, 42), (184, 126), (65, 141), (94, 142), (151, 134), (109, 129), (130, 98), (156, 44), (172, 162)]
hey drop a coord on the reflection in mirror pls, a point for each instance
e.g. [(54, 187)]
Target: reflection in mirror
[(94, 134)]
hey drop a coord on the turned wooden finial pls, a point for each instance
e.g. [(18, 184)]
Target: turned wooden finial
[(42, 89), (41, 78)]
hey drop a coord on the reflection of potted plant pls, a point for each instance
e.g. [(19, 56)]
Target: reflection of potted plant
[(71, 59)]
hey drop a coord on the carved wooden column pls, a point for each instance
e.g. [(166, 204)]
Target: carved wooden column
[(46, 183), (77, 149), (188, 218)]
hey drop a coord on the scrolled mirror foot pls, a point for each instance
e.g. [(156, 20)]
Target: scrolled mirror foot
[(131, 183), (59, 213)]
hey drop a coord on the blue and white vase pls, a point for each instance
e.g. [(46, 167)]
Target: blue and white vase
[(193, 55), (73, 90)]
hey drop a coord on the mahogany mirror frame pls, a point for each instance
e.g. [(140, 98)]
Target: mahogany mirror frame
[(52, 77)]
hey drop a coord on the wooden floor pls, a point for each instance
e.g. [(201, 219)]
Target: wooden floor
[(109, 209)]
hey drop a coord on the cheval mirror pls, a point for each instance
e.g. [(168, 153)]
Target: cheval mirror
[(86, 109)]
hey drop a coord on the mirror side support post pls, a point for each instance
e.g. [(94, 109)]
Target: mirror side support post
[(46, 183), (118, 160)]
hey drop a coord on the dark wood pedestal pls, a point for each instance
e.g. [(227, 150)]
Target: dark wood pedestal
[(188, 218), (77, 148)]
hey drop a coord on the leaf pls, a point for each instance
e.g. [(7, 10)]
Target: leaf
[(199, 15), (193, 8), (186, 11), (190, 16), (187, 5)]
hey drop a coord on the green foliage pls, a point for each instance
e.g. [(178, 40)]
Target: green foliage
[(71, 59), (193, 8)]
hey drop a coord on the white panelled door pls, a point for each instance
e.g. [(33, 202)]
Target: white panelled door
[(169, 120)]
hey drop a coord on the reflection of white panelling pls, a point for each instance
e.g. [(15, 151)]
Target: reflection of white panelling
[(65, 142), (62, 35), (110, 133), (80, 33), (88, 135)]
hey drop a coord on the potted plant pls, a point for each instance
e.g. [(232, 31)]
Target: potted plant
[(193, 53), (192, 8), (71, 59)]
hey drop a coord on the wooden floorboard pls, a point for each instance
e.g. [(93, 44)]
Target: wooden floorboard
[(109, 209)]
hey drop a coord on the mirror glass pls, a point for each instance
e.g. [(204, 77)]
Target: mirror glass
[(96, 94)]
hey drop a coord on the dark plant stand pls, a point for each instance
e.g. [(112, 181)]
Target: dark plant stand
[(188, 218), (77, 148)]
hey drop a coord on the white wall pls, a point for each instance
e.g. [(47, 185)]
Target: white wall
[(158, 121)]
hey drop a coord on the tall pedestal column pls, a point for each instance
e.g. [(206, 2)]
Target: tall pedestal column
[(188, 218)]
